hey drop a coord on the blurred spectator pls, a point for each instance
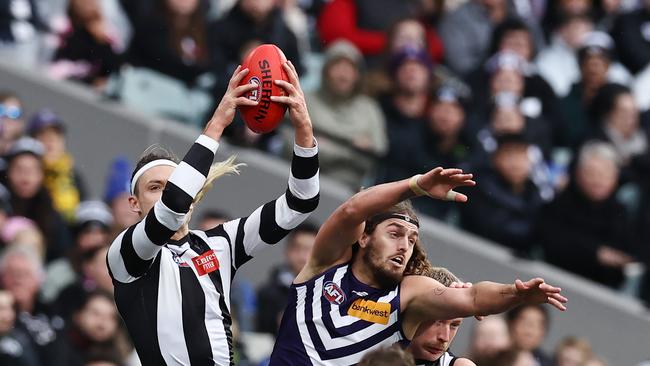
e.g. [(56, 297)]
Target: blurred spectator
[(116, 195), (171, 39), (446, 141), (506, 203), (30, 198), (632, 39), (365, 24), (595, 59), (585, 230), (15, 346), (83, 268), (19, 26), (103, 358), (349, 126), (488, 338), (21, 274), (405, 110), (95, 327), (211, 219), (272, 296), (387, 356), (512, 357), (595, 361), (246, 25), (466, 33), (11, 120), (606, 13), (572, 352), (62, 178), (18, 230), (528, 326), (558, 10), (432, 340), (89, 47)]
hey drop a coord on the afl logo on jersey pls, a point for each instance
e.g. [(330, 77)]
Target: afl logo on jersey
[(333, 293)]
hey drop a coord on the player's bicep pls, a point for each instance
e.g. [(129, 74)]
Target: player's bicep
[(124, 263), (335, 238)]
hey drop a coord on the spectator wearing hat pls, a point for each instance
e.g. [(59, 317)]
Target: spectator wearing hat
[(405, 110), (92, 229), (349, 126), (62, 179), (11, 120), (632, 36), (594, 58), (506, 204), (30, 198), (116, 194), (585, 230)]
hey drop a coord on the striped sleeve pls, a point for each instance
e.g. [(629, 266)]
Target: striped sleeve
[(134, 250), (270, 223)]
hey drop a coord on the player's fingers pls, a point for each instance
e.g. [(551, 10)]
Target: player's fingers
[(556, 303), (467, 183), (282, 99), (548, 288), (243, 89), (452, 171), (520, 285), (291, 74), (558, 297), (289, 88), (237, 77), (534, 282), (468, 285), (455, 197), (479, 317), (243, 101)]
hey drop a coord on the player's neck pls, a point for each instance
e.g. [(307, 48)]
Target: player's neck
[(184, 230), (364, 273)]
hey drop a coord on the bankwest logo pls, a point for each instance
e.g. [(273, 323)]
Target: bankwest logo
[(375, 312), (206, 263), (333, 293)]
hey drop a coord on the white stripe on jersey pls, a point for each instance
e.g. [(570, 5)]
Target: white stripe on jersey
[(304, 188), (252, 238), (285, 217), (191, 181), (117, 266), (170, 319)]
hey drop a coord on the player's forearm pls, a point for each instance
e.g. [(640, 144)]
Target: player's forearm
[(304, 134), (304, 182), (376, 199), (494, 298)]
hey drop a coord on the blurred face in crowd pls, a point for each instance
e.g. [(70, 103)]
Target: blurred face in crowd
[(11, 119), (85, 10), (507, 80), (574, 32), (519, 42), (96, 269), (208, 223), (528, 329), (25, 175), (150, 186), (597, 178), (575, 6), (342, 77), (54, 142), (7, 312), (525, 359), (512, 163), (408, 33), (624, 118), (433, 338), (572, 356), (446, 118), (594, 362), (182, 7), (490, 336), (298, 250), (92, 237), (22, 278), (507, 120), (98, 319), (257, 9), (122, 213), (594, 70), (412, 77)]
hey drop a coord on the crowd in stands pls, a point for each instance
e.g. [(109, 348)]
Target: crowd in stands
[(547, 102)]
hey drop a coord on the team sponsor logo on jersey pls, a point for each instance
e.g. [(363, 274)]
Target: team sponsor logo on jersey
[(375, 312), (206, 263), (179, 261), (333, 293)]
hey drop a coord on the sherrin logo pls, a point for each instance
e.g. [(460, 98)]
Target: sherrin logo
[(375, 312), (333, 293), (255, 94), (206, 263)]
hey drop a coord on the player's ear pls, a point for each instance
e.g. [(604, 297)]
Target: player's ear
[(363, 240), (134, 205)]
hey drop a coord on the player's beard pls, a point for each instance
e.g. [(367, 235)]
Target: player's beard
[(384, 277)]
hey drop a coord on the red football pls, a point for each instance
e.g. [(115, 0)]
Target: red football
[(265, 65)]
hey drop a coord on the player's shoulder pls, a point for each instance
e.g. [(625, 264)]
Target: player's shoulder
[(463, 362)]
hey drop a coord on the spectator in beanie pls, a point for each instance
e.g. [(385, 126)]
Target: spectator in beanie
[(632, 38), (585, 230), (528, 326), (62, 178), (349, 126), (117, 193), (30, 198), (11, 120), (16, 348)]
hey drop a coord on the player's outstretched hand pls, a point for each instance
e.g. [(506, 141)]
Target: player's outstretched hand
[(440, 183), (234, 97), (536, 291), (294, 97)]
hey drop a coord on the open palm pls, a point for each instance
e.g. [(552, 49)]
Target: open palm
[(438, 182), (536, 291)]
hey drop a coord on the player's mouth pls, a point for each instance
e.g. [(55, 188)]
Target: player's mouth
[(399, 260), (435, 350)]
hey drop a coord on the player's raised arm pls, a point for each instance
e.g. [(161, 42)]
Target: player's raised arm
[(427, 299), (344, 227)]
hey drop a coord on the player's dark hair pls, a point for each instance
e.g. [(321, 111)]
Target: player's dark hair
[(443, 275), (389, 356), (152, 153)]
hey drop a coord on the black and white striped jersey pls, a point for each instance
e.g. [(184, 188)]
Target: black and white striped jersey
[(174, 296), (447, 359)]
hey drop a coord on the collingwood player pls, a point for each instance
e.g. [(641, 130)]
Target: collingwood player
[(172, 284), (360, 289)]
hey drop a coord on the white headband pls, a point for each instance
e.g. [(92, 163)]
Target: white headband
[(148, 166)]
